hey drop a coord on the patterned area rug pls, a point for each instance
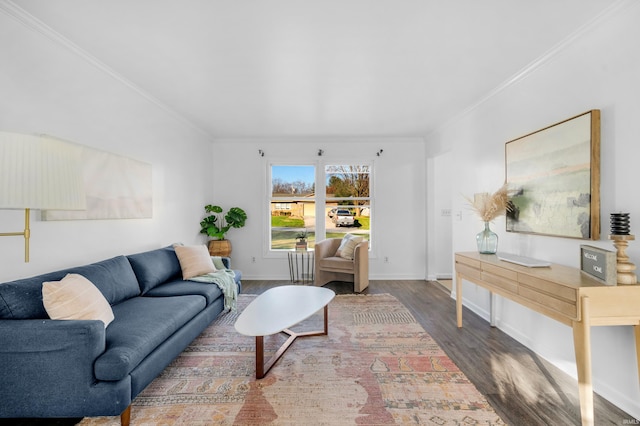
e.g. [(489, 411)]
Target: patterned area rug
[(377, 366)]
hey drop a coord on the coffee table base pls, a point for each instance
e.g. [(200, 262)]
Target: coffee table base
[(263, 368)]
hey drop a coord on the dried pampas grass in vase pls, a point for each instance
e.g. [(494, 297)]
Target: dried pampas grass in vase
[(488, 207)]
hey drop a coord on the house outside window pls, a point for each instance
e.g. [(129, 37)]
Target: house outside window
[(292, 205)]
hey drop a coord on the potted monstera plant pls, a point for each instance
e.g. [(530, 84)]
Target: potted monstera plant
[(217, 224)]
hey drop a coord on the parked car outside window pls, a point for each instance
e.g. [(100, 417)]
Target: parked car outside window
[(343, 217)]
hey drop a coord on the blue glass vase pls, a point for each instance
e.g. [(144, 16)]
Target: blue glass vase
[(487, 240)]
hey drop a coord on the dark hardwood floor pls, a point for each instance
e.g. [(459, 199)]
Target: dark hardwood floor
[(522, 387)]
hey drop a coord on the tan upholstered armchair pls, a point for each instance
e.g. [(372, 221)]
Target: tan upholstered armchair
[(329, 267)]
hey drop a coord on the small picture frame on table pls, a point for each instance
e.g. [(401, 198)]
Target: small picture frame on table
[(599, 264)]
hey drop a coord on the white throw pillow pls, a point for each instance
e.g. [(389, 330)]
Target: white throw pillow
[(194, 261), (348, 246), (75, 298)]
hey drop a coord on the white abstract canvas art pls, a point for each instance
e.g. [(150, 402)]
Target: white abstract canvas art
[(116, 187)]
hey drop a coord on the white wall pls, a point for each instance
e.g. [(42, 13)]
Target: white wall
[(598, 69), (239, 177), (46, 88), (439, 220)]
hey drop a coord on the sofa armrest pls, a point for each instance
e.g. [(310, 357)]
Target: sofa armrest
[(45, 335), (44, 359)]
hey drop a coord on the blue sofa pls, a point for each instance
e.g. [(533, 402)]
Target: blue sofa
[(77, 368)]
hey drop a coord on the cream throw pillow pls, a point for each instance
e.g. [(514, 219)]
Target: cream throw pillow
[(348, 246), (194, 261), (75, 297)]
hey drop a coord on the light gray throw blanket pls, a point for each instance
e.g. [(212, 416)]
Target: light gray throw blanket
[(225, 279)]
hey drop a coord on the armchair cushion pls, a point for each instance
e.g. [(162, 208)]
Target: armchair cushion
[(337, 264), (348, 246)]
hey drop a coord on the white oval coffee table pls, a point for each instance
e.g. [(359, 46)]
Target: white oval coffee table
[(277, 309)]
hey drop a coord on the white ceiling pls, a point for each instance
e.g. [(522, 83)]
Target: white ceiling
[(323, 68)]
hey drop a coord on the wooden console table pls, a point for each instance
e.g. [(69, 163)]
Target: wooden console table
[(559, 292)]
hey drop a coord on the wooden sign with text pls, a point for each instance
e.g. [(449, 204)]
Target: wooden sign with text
[(599, 263)]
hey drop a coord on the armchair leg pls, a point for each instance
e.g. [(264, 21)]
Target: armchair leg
[(359, 286)]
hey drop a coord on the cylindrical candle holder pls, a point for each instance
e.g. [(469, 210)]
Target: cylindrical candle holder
[(620, 224)]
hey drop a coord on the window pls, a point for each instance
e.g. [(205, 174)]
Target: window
[(295, 207), (348, 200), (282, 206)]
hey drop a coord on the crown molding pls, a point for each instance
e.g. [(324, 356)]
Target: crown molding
[(16, 12), (538, 63)]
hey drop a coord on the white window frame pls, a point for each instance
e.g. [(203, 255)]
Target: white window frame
[(320, 197), (370, 164), (268, 251)]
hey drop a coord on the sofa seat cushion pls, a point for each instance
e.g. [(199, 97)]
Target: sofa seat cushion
[(337, 264), (180, 288), (155, 267), (141, 324)]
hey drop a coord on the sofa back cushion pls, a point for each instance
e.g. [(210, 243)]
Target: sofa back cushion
[(22, 299), (155, 267), (113, 277), (75, 297)]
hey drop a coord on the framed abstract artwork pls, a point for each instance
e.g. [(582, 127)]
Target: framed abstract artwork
[(553, 176), (116, 187)]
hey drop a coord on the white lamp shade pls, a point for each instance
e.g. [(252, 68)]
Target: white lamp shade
[(40, 172)]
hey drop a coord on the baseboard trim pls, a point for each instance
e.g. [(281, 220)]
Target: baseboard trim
[(280, 277)]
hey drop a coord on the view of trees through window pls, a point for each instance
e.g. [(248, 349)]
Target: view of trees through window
[(293, 205), (346, 200)]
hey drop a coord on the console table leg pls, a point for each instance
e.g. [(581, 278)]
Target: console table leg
[(636, 329), (492, 310), (582, 346), (459, 299)]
